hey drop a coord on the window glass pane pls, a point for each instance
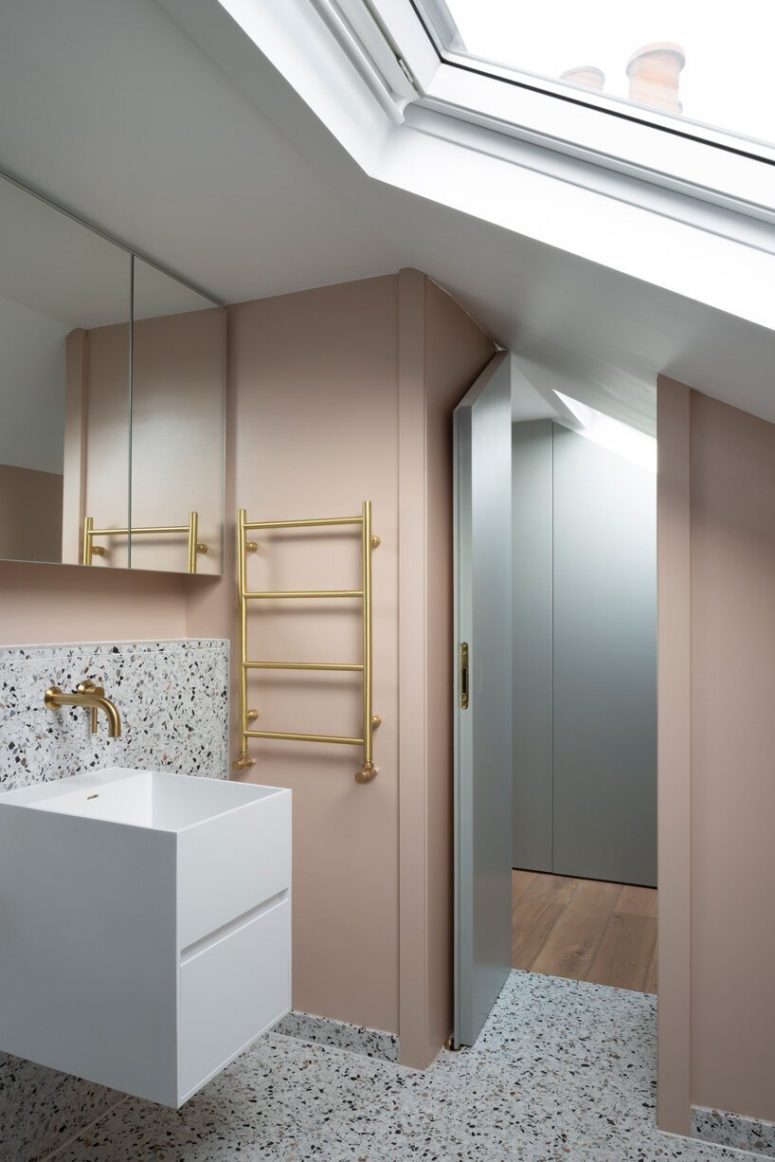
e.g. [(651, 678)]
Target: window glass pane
[(708, 61)]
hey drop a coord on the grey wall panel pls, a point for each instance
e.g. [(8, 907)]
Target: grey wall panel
[(604, 665), (532, 644)]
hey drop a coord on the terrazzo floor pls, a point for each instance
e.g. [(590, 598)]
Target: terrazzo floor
[(564, 1070)]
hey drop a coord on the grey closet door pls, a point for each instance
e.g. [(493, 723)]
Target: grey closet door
[(531, 721), (482, 812), (604, 664)]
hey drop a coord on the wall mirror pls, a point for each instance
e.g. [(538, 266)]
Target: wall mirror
[(112, 401)]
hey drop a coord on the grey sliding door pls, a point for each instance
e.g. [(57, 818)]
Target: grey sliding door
[(482, 536)]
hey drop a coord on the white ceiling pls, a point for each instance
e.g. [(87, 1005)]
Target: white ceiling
[(115, 112), (110, 109)]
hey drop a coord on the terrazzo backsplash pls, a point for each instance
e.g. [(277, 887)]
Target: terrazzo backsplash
[(172, 695), (173, 699)]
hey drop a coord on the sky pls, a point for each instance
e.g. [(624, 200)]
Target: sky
[(727, 81)]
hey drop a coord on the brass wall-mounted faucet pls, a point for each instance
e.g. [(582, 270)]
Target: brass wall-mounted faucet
[(93, 698)]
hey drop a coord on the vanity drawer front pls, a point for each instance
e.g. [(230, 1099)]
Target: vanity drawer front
[(232, 991), (232, 863)]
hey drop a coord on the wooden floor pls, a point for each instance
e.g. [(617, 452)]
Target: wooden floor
[(585, 930)]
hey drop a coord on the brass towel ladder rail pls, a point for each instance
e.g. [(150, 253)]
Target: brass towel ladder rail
[(370, 721), (90, 550)]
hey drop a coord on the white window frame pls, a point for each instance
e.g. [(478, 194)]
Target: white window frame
[(368, 89), (681, 156)]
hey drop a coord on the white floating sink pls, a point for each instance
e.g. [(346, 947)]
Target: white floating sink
[(154, 799), (144, 926)]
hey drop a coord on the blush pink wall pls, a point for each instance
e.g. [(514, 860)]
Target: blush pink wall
[(104, 372), (74, 458), (314, 378), (335, 396), (68, 603), (717, 740), (178, 380), (733, 759), (30, 508), (674, 756), (361, 409)]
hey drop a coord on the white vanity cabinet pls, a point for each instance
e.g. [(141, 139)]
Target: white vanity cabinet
[(145, 926)]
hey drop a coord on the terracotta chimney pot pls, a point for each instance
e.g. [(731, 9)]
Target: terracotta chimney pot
[(586, 76), (654, 73)]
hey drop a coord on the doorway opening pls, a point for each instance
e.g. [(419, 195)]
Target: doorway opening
[(584, 685), (556, 639)]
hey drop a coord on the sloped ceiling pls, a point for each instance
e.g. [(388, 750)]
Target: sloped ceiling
[(115, 112)]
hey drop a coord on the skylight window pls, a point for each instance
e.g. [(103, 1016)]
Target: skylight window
[(707, 63), (662, 105)]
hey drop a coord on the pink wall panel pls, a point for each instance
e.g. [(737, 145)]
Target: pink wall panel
[(67, 603), (314, 380), (733, 759), (717, 741)]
